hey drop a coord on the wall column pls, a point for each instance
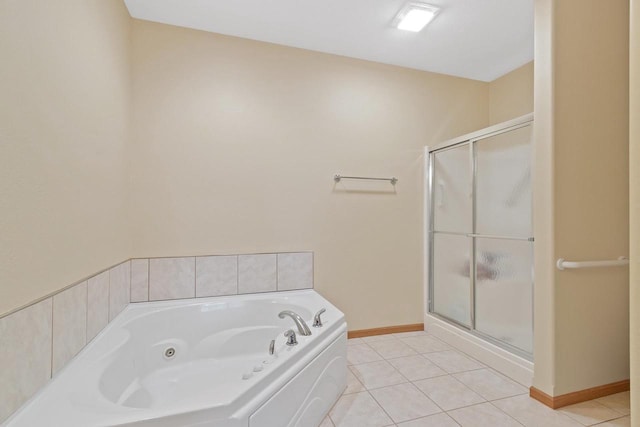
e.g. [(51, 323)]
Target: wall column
[(581, 193)]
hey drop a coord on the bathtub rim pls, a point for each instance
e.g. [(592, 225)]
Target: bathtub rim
[(251, 404)]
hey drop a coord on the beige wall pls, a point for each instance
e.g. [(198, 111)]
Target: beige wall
[(64, 96), (236, 143), (582, 322), (511, 95), (634, 162)]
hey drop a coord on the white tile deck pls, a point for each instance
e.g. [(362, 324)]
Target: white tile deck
[(415, 380)]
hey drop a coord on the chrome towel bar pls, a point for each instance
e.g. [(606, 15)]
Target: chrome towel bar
[(492, 236), (563, 264), (337, 178)]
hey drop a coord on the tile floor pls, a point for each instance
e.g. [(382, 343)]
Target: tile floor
[(415, 380)]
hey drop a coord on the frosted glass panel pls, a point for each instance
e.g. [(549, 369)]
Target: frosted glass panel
[(503, 184), (504, 285), (452, 190), (451, 285)]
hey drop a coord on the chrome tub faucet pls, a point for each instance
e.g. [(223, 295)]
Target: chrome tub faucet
[(303, 328)]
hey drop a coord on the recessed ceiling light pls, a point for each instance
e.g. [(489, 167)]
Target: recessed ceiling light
[(415, 16)]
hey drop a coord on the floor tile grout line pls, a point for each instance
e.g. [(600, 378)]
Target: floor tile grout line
[(599, 403), (382, 407), (612, 419), (378, 388), (357, 379), (360, 392), (453, 409), (490, 400), (418, 388), (508, 397), (427, 396), (435, 403), (614, 409), (392, 367), (621, 415), (508, 415), (411, 382), (589, 425), (423, 355)]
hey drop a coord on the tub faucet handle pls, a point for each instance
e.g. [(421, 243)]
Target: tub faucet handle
[(291, 337), (272, 347), (317, 322)]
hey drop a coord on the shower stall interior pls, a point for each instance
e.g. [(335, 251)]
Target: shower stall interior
[(480, 236)]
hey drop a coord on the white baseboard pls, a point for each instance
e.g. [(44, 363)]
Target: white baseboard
[(509, 364)]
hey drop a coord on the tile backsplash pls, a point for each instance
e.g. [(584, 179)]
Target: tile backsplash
[(119, 288), (216, 275), (97, 304), (172, 278), (139, 280), (26, 354), (295, 271), (69, 324), (257, 273), (40, 339)]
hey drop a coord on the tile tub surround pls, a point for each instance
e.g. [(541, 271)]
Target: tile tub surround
[(26, 354), (295, 271), (97, 304), (219, 275), (119, 288), (139, 280), (216, 275), (40, 339), (439, 386), (172, 278), (257, 273), (69, 324)]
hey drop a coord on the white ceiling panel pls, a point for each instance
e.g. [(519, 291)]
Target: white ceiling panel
[(476, 39)]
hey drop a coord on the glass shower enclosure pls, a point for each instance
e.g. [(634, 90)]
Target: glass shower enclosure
[(480, 235)]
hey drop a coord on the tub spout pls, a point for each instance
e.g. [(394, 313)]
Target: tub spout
[(303, 328)]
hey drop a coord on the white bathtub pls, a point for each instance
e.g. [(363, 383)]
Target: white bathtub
[(221, 373)]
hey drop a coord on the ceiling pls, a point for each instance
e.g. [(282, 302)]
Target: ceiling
[(476, 39)]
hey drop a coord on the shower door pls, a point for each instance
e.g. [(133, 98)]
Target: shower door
[(452, 223), (481, 244)]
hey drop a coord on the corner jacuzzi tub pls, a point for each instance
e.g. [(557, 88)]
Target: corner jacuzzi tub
[(201, 362)]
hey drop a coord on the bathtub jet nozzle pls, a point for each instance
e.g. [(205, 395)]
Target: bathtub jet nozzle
[(169, 353)]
